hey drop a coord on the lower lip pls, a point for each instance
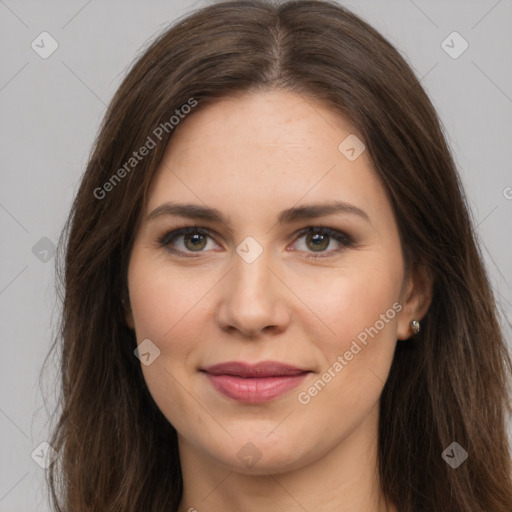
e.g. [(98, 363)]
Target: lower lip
[(255, 389)]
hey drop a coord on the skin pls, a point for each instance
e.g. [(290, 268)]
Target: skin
[(252, 156)]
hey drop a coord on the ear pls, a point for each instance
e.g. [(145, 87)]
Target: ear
[(416, 299)]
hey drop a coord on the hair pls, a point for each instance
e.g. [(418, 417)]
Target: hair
[(117, 451)]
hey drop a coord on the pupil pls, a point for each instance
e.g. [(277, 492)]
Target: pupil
[(192, 241), (319, 240)]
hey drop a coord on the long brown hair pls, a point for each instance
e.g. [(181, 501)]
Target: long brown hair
[(117, 452)]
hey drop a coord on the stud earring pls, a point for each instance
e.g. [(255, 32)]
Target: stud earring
[(415, 326)]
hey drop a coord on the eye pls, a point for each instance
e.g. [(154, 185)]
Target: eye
[(317, 239), (187, 240)]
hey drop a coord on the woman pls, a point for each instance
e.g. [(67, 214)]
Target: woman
[(273, 298)]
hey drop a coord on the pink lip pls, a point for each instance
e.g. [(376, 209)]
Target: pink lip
[(257, 383)]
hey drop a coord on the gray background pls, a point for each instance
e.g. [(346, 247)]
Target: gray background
[(51, 110)]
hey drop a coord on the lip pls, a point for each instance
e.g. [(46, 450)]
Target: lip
[(254, 383)]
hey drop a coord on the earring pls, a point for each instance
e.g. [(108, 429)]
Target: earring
[(415, 326)]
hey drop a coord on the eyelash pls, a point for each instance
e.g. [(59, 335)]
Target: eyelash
[(344, 239)]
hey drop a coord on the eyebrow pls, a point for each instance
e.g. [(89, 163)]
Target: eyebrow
[(195, 211)]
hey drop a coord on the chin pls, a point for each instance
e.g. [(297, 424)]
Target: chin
[(261, 453)]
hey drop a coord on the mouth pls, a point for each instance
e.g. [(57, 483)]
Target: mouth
[(254, 383)]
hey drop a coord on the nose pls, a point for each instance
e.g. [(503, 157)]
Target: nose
[(254, 300)]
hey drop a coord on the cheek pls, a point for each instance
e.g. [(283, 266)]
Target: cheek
[(356, 339), (166, 305), (348, 301), (162, 298)]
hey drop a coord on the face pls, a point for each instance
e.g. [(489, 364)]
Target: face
[(267, 275)]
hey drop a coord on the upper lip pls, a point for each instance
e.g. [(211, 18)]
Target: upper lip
[(261, 369)]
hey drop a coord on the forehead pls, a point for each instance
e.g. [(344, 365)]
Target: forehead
[(261, 149), (272, 122)]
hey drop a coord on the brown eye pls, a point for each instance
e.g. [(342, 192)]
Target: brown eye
[(318, 241), (188, 240), (195, 242)]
